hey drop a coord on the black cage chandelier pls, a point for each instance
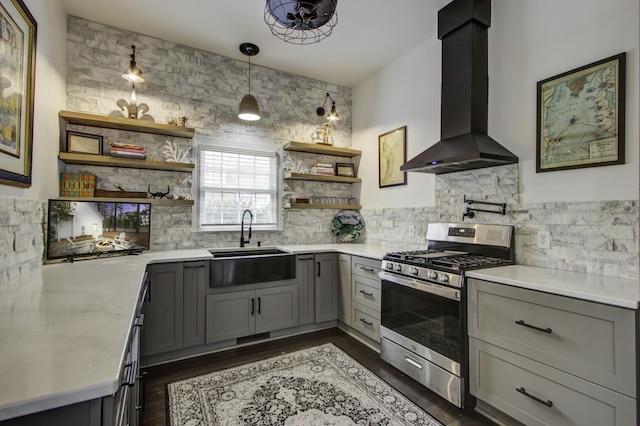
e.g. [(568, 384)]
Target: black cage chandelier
[(301, 22)]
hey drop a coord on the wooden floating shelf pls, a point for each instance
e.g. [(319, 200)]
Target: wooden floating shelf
[(153, 201), (325, 206), (322, 178), (130, 124), (314, 148), (132, 163)]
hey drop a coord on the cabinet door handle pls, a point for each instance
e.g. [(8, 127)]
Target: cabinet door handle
[(366, 322), (253, 306), (318, 268), (366, 294), (148, 299), (305, 258), (524, 324), (194, 267), (523, 391), (367, 269), (259, 303)]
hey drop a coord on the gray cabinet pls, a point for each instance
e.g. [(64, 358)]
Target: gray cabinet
[(344, 288), (305, 275), (365, 296), (195, 278), (243, 313), (163, 309), (326, 291), (548, 359), (175, 307)]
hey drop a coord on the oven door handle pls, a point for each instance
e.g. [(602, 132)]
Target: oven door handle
[(438, 290)]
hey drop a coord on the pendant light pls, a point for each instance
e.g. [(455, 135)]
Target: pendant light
[(133, 73), (249, 109)]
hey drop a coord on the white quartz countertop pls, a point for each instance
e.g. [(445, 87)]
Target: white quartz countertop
[(356, 249), (64, 329), (624, 293)]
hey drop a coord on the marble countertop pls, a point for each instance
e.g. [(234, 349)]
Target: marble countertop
[(624, 293), (64, 327)]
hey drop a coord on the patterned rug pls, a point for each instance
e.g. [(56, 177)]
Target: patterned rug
[(317, 386)]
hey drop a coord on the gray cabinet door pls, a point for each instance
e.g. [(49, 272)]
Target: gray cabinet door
[(306, 288), (344, 286), (162, 330), (196, 276), (276, 308), (230, 315), (326, 287)]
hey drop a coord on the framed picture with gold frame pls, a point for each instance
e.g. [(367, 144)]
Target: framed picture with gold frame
[(82, 143), (392, 153), (17, 80), (580, 117)]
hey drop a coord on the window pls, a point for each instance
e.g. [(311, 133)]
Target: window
[(232, 180)]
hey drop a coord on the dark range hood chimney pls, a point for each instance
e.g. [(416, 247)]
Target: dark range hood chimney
[(464, 144)]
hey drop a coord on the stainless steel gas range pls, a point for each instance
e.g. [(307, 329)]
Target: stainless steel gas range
[(423, 315)]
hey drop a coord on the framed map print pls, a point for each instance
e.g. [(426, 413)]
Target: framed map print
[(581, 117), (17, 79), (392, 153)]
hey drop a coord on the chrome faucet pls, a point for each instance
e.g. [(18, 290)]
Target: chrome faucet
[(242, 240)]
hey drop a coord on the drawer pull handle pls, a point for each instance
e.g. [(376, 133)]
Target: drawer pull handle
[(366, 322), (535, 398), (366, 294), (416, 364), (367, 269), (544, 330)]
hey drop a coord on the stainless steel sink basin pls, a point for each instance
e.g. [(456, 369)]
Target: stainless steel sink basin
[(232, 267)]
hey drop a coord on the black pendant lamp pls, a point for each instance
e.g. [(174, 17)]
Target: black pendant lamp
[(249, 109), (301, 21)]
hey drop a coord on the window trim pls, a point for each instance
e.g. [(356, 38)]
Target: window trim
[(246, 147)]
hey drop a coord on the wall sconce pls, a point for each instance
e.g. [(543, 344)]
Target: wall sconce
[(333, 114), (249, 109), (134, 75)]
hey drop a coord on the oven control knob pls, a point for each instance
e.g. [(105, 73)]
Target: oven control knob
[(389, 266), (433, 275), (444, 278), (414, 270), (398, 268)]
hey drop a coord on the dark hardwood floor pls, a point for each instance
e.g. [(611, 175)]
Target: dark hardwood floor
[(155, 413)]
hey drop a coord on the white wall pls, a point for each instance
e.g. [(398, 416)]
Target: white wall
[(528, 41), (50, 97)]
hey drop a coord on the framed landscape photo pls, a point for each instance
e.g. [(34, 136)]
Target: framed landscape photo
[(83, 143), (580, 117), (17, 79), (392, 153)]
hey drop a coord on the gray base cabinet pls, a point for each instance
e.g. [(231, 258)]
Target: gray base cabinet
[(545, 359), (175, 307), (344, 288), (244, 313), (317, 277), (365, 296)]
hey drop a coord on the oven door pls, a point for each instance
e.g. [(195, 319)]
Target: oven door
[(424, 318)]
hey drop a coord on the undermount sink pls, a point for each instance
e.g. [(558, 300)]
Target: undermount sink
[(246, 252), (232, 267)]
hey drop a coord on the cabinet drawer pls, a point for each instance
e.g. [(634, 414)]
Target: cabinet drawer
[(366, 321), (591, 340), (501, 379), (365, 267), (366, 291)]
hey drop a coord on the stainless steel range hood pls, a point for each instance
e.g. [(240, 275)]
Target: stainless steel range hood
[(464, 144)]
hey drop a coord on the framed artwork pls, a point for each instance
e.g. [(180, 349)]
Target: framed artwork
[(345, 169), (392, 153), (580, 117), (83, 143), (17, 79)]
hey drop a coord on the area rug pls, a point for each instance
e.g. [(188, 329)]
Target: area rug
[(317, 386)]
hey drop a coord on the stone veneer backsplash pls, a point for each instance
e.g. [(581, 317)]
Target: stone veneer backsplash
[(21, 236), (594, 237)]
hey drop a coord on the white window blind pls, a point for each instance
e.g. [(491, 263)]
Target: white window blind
[(233, 180)]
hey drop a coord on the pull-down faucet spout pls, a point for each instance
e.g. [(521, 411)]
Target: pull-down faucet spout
[(248, 240)]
